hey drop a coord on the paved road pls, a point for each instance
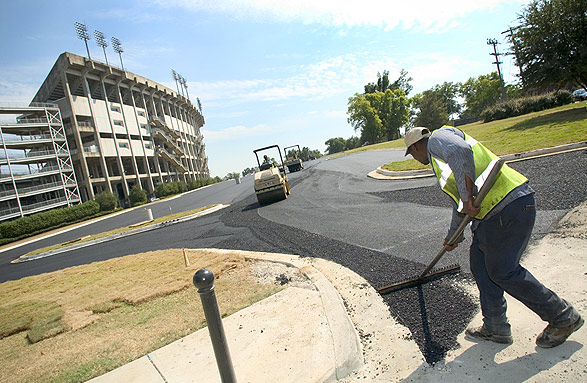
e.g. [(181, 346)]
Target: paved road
[(383, 230)]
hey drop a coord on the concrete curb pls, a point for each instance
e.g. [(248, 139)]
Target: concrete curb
[(347, 345)]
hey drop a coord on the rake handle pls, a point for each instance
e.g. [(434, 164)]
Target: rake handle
[(466, 220)]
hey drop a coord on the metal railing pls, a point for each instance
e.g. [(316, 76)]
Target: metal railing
[(42, 120), (44, 105), (12, 138)]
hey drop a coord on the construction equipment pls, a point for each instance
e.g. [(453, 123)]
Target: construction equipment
[(426, 275), (293, 161), (271, 183)]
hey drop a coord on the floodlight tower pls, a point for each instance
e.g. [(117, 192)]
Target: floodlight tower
[(116, 45), (101, 41), (185, 86), (176, 78), (82, 34), (497, 62)]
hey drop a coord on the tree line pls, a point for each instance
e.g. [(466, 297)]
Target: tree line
[(550, 48)]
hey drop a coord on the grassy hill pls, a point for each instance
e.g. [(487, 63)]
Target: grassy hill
[(558, 126)]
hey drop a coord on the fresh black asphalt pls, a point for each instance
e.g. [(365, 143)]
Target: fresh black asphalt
[(384, 231)]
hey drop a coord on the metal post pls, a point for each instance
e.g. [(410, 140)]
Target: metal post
[(204, 281)]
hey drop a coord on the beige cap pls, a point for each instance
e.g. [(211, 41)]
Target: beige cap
[(414, 135)]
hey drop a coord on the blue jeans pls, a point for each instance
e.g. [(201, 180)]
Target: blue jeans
[(498, 244)]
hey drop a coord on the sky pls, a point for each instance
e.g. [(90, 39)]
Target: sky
[(266, 71)]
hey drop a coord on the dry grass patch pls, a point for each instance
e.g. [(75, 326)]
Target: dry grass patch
[(77, 323)]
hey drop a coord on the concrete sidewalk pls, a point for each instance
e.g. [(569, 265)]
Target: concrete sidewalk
[(336, 327)]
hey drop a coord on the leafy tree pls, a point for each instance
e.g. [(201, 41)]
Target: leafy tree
[(483, 92), (232, 176), (448, 92), (335, 145), (308, 154), (480, 93), (106, 200), (137, 196), (352, 142), (433, 113), (550, 43), (364, 118), (378, 116), (248, 171), (402, 82)]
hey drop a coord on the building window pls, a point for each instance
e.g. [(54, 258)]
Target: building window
[(148, 146), (118, 123), (141, 113), (123, 145), (115, 108)]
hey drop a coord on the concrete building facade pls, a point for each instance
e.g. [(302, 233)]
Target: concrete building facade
[(36, 169), (123, 129)]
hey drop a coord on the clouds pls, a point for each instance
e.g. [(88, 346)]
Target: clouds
[(235, 133), (420, 14), (313, 81)]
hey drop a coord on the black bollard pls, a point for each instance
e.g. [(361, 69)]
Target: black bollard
[(204, 281)]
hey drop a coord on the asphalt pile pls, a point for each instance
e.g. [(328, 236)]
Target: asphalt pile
[(435, 312)]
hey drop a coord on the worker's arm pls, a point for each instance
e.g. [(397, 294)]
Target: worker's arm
[(468, 206)]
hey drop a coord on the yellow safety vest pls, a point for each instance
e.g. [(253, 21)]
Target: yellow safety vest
[(507, 180)]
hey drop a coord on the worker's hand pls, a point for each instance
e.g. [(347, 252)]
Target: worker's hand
[(450, 247), (469, 209)]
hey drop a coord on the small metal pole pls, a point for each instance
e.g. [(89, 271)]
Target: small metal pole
[(204, 281)]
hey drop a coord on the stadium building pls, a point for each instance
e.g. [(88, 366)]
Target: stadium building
[(120, 130)]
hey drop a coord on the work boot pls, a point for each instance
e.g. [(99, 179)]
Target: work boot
[(553, 336), (481, 333)]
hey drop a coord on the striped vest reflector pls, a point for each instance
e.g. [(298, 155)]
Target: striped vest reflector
[(507, 180)]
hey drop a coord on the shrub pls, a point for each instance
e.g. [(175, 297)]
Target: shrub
[(170, 188), (106, 200), (520, 106), (200, 182), (39, 222), (137, 196)]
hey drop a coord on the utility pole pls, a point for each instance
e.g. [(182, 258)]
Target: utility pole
[(497, 62)]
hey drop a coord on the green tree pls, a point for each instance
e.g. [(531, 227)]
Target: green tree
[(550, 43), (352, 142), (378, 116), (433, 112), (106, 200), (232, 176), (364, 117), (480, 93), (247, 171), (137, 196), (335, 145), (448, 92), (383, 83), (308, 154)]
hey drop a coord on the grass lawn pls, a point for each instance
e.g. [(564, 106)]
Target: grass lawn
[(558, 126), (81, 322)]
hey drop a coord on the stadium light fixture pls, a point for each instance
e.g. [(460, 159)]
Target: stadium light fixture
[(101, 41), (82, 34), (117, 46), (176, 78), (185, 85)]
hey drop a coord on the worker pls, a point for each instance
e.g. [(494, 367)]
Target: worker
[(501, 228)]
